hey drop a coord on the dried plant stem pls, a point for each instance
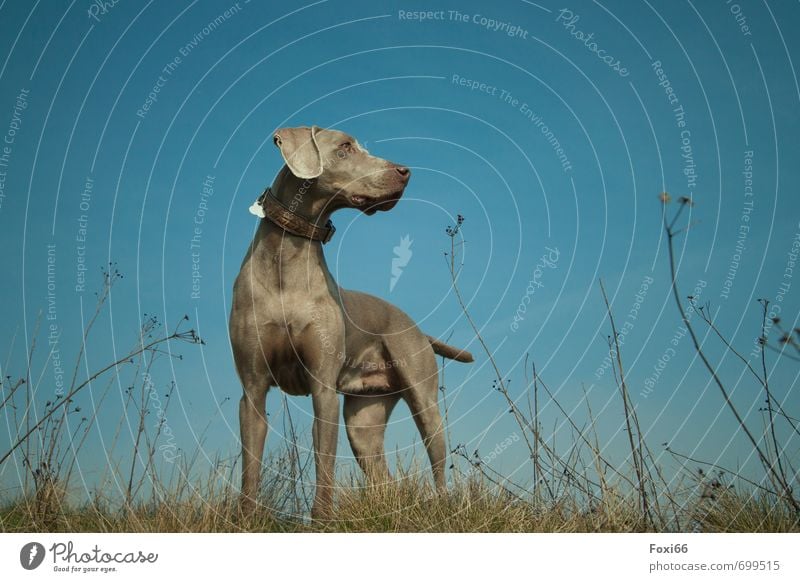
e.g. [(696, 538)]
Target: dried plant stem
[(501, 386), (786, 489), (706, 317), (770, 400), (89, 424), (593, 446), (631, 422), (63, 402), (140, 430), (537, 469)]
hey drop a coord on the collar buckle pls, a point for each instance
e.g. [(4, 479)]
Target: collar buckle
[(329, 235)]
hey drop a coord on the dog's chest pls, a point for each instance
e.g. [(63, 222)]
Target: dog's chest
[(304, 340), (297, 298)]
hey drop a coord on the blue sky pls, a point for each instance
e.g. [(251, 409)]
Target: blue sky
[(507, 114)]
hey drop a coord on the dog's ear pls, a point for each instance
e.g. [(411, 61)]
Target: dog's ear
[(299, 148)]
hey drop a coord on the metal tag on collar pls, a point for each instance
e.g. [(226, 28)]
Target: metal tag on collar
[(257, 208)]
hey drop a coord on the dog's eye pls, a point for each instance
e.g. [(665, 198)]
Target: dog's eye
[(347, 146)]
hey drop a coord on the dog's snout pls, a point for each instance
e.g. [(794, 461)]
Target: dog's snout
[(403, 171)]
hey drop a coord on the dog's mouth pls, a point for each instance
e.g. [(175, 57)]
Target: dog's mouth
[(372, 205)]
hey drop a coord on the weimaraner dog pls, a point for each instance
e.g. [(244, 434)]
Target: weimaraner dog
[(292, 326)]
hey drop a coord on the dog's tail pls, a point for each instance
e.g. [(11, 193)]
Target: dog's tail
[(449, 351)]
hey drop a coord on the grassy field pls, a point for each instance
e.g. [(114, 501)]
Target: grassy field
[(405, 505)]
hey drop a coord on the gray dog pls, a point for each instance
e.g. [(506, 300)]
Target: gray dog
[(292, 326)]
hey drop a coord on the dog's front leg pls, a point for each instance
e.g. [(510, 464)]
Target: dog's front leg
[(326, 435), (253, 426)]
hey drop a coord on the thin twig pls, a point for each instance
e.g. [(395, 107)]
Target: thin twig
[(635, 453), (715, 377), (771, 417), (79, 387)]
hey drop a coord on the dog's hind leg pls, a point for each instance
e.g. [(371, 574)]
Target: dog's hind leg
[(418, 376), (423, 403), (365, 418)]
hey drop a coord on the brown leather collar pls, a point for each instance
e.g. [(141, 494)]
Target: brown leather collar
[(279, 214)]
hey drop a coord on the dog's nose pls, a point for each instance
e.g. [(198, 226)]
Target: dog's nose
[(403, 171)]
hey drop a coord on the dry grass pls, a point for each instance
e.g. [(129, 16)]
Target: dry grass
[(405, 505), (757, 514)]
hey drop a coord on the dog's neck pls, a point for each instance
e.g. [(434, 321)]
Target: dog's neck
[(300, 197)]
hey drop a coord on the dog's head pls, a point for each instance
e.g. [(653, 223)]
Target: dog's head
[(341, 168)]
